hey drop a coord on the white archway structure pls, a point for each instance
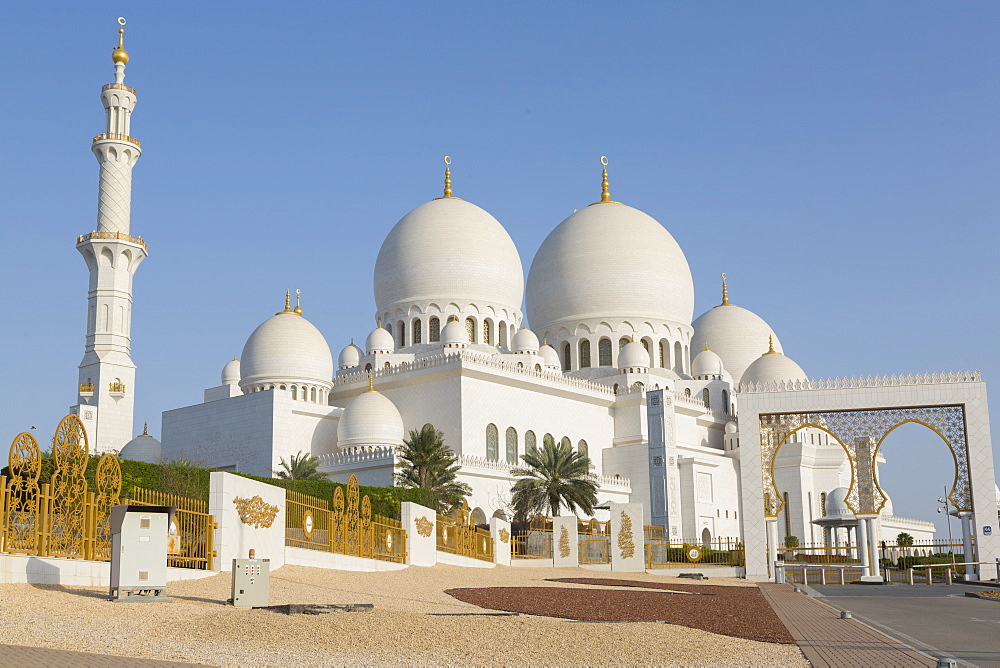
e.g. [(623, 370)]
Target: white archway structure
[(861, 413)]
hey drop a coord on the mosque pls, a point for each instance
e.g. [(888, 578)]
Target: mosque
[(453, 348)]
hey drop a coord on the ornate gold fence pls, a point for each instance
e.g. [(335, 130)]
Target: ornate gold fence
[(535, 543), (595, 542), (194, 527), (459, 535), (663, 553), (63, 518), (349, 527)]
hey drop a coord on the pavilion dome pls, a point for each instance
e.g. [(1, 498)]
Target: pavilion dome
[(734, 334), (350, 356), (633, 356), (836, 503), (578, 272), (380, 341), (142, 448), (448, 251), (707, 364), (772, 367), (524, 341), (454, 334), (370, 420), (286, 348), (551, 357), (231, 372)]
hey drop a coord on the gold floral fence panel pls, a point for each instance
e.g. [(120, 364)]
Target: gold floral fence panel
[(346, 526), (459, 535)]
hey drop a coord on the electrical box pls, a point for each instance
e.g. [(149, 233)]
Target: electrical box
[(139, 551), (251, 583)]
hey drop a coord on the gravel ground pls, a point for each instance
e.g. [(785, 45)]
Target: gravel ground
[(414, 622)]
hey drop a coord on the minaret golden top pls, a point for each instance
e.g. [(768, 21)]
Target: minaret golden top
[(725, 291), (770, 346), (120, 55), (371, 382), (298, 303), (447, 179), (605, 192), (288, 304)]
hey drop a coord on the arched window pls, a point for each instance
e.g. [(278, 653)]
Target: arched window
[(511, 445), (566, 443), (538, 367), (388, 328), (585, 354), (486, 332), (283, 387), (295, 393), (452, 318), (583, 448), (417, 331), (706, 397), (677, 358), (470, 329), (386, 365), (547, 440), (725, 400), (529, 441), (402, 333), (434, 335), (604, 352), (566, 356), (492, 442), (624, 341), (645, 344), (687, 391), (664, 354), (312, 394), (502, 334), (368, 367)]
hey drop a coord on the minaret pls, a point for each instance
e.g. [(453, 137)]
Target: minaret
[(107, 373)]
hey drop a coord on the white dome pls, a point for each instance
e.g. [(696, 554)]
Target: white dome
[(731, 427), (581, 268), (836, 503), (371, 419), (454, 334), (772, 368), (448, 250), (231, 372), (707, 363), (142, 448), (379, 341), (735, 334), (524, 341), (550, 356), (286, 348), (632, 356), (349, 357)]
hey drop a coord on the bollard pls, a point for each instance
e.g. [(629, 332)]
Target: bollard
[(846, 614), (805, 575), (946, 662), (947, 576), (779, 572), (842, 576), (822, 575), (930, 576), (909, 575)]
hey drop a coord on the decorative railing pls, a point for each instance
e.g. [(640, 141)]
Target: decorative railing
[(192, 524), (357, 454), (663, 553), (121, 236), (86, 387), (458, 535), (117, 86), (118, 136), (864, 382)]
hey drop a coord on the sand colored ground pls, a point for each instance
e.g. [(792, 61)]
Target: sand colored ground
[(414, 622)]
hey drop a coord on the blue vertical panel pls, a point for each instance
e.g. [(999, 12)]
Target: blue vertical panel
[(657, 460)]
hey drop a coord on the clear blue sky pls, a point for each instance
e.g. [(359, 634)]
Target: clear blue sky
[(838, 160)]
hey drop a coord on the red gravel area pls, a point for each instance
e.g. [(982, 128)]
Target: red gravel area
[(741, 612)]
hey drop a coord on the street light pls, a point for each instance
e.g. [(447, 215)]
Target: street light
[(944, 509)]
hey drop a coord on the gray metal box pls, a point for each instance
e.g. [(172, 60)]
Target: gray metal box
[(139, 551), (251, 582)]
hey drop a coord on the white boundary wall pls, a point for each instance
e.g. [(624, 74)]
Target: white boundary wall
[(420, 550), (233, 538), (569, 525), (619, 562), (501, 548)]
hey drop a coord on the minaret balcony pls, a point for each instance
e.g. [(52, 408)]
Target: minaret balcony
[(86, 390), (119, 137), (112, 235), (116, 390), (118, 86)]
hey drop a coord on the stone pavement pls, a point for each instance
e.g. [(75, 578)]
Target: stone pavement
[(827, 640), (40, 657)]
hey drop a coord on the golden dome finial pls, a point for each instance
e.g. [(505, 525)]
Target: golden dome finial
[(298, 302), (447, 177), (770, 346), (288, 303), (120, 55), (371, 382), (145, 429), (725, 291), (605, 191), (706, 345)]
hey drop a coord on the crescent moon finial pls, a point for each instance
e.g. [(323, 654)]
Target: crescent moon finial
[(121, 20), (604, 160), (447, 159), (447, 177)]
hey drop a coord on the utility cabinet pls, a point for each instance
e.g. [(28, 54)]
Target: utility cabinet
[(139, 552), (251, 582)]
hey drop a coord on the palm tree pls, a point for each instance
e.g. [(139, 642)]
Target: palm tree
[(427, 463), (555, 476), (301, 466)]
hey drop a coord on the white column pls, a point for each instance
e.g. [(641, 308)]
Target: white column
[(967, 528), (862, 533), (876, 570), (772, 543)]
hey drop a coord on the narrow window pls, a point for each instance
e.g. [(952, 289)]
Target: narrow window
[(486, 332), (312, 395), (402, 333), (470, 329), (585, 354), (295, 393), (547, 440), (705, 396), (388, 328), (417, 331), (725, 399), (604, 352), (529, 440), (502, 334), (511, 445), (583, 448), (566, 443), (566, 354), (663, 355), (435, 333), (645, 344), (687, 391), (622, 342), (492, 445), (677, 358)]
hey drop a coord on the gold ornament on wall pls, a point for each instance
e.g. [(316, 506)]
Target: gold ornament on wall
[(424, 526), (256, 512), (625, 542), (564, 548), (504, 535)]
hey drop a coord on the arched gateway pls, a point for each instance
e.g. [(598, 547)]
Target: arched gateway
[(860, 413)]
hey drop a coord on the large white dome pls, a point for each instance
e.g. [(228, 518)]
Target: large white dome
[(448, 250), (371, 419), (735, 334), (142, 448), (609, 261), (286, 348)]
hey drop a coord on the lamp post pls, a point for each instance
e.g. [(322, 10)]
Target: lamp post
[(944, 509)]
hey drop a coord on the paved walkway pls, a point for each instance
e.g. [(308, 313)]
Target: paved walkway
[(827, 640), (39, 657)]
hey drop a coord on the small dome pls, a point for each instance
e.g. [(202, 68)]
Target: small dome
[(734, 334), (231, 372), (632, 356), (349, 357), (379, 341), (731, 427), (772, 367), (836, 503), (550, 356), (371, 419), (707, 364), (524, 341), (286, 348), (142, 448), (454, 334)]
